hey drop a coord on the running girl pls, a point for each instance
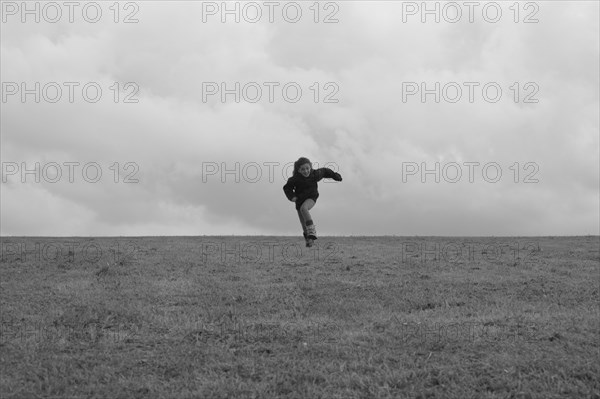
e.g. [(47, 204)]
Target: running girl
[(301, 188)]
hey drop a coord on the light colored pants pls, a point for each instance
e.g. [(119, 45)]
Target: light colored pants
[(304, 214)]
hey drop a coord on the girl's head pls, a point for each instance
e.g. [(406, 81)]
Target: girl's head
[(302, 166)]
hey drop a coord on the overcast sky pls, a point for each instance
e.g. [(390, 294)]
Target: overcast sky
[(528, 108)]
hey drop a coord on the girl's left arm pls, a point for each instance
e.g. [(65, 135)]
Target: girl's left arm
[(328, 173)]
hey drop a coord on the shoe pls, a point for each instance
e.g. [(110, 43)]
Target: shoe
[(312, 232), (309, 242)]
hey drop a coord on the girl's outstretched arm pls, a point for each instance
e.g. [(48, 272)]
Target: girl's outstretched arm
[(328, 173)]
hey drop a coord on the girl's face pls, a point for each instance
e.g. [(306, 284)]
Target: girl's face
[(304, 169)]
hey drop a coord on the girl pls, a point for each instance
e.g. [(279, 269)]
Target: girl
[(301, 188)]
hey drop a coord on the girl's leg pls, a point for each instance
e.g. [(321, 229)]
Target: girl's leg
[(303, 223), (304, 211)]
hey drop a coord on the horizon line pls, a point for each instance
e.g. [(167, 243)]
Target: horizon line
[(294, 235)]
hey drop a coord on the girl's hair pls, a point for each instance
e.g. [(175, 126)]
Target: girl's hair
[(301, 161)]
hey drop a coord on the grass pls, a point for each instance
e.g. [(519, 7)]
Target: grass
[(258, 317)]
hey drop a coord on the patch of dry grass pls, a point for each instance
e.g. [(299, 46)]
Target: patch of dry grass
[(353, 317)]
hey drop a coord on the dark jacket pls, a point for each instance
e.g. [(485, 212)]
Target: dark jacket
[(306, 187)]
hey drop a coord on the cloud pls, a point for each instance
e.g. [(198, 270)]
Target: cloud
[(353, 115)]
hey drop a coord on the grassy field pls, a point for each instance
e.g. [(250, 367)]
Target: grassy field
[(261, 317)]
